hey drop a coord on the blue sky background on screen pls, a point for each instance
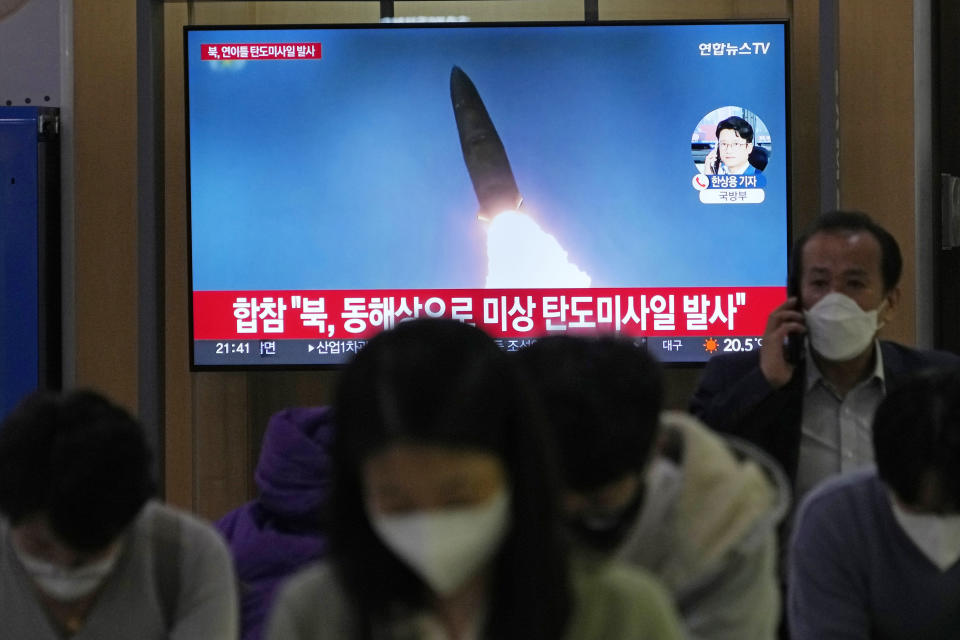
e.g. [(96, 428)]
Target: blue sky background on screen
[(346, 172)]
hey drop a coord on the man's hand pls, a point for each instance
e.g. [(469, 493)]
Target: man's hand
[(709, 160), (773, 363)]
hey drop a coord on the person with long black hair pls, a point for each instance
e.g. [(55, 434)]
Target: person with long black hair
[(445, 521)]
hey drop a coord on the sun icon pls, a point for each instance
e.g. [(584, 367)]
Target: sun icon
[(711, 345)]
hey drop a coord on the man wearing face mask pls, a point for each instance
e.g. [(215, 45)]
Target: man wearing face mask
[(875, 553), (809, 394), (659, 490), (84, 553)]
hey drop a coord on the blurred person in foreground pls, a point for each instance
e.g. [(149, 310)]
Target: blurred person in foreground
[(658, 489), (85, 553), (875, 554), (281, 531), (444, 521)]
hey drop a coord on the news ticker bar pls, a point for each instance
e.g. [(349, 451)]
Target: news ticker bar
[(299, 352)]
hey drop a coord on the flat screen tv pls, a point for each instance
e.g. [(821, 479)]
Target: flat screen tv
[(527, 178)]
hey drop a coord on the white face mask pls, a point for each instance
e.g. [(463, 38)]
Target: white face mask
[(938, 537), (838, 328), (446, 547), (67, 584)]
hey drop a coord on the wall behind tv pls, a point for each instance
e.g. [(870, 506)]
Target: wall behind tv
[(213, 421), (219, 417)]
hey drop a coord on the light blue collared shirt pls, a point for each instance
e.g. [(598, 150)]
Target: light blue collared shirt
[(836, 432)]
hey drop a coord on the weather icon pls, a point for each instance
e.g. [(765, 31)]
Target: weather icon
[(711, 345)]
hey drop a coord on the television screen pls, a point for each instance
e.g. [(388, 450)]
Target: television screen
[(529, 179)]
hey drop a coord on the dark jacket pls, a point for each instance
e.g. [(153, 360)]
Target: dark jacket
[(280, 532), (733, 397), (855, 574)]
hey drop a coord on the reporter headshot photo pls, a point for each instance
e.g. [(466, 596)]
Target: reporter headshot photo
[(731, 156), (730, 141)]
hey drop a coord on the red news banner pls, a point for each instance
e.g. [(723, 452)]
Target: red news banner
[(261, 51), (502, 313)]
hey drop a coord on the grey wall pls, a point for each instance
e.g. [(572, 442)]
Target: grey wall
[(30, 55)]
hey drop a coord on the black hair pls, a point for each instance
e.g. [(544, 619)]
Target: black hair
[(78, 459), (443, 382), (891, 262), (759, 157), (603, 398), (738, 125), (916, 437)]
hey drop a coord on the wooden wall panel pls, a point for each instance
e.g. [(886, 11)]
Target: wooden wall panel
[(495, 10), (876, 129), (215, 421), (105, 120), (693, 9), (178, 388), (222, 445), (271, 391), (240, 12), (805, 113), (316, 12), (222, 12)]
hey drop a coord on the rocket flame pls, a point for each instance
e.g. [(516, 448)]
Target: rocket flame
[(522, 255)]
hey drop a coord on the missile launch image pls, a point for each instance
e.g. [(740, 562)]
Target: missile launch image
[(483, 151), (503, 158), (519, 252)]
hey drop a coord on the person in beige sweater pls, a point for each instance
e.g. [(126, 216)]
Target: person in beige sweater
[(660, 491)]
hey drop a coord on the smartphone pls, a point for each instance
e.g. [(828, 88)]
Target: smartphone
[(793, 348)]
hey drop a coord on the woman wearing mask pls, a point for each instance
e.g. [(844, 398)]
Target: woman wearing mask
[(444, 517)]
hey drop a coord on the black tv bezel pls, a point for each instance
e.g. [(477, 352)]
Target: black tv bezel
[(187, 29)]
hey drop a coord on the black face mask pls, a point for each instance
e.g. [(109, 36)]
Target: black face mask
[(605, 532)]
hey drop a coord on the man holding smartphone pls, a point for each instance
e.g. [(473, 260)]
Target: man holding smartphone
[(808, 396)]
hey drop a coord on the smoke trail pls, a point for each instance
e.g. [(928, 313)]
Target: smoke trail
[(522, 255)]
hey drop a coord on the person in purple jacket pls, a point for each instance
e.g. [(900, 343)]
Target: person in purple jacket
[(276, 534)]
